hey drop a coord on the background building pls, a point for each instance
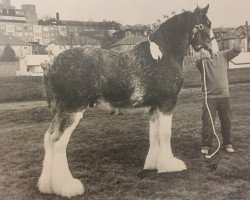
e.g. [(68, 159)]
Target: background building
[(30, 13), (129, 36), (8, 13), (21, 48)]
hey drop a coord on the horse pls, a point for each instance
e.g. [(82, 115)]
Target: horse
[(149, 75)]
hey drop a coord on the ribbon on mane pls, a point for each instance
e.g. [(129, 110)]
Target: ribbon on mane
[(155, 50)]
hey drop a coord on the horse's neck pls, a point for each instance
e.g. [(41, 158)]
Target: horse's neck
[(179, 50), (178, 44), (174, 39)]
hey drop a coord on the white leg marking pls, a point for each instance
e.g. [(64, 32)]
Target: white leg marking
[(62, 181), (152, 157), (166, 161), (44, 182)]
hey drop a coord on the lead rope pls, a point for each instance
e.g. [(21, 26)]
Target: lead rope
[(212, 122)]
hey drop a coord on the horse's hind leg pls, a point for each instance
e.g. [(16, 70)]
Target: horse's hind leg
[(61, 179), (44, 182)]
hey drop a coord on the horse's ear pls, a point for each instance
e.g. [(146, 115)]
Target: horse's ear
[(196, 9), (204, 10), (201, 11)]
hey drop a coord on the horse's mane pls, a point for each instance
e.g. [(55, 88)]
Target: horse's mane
[(177, 21), (172, 34)]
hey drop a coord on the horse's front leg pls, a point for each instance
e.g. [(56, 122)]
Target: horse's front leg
[(152, 157), (166, 161)]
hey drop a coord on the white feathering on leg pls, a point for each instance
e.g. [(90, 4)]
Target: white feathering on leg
[(62, 180), (166, 161), (152, 157), (44, 183)]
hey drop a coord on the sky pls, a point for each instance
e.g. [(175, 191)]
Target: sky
[(222, 13)]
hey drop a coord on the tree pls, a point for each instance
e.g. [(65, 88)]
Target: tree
[(8, 54)]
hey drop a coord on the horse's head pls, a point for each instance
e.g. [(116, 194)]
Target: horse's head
[(200, 26)]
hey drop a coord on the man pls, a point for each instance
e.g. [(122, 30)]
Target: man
[(215, 63)]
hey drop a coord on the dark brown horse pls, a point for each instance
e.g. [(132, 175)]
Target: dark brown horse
[(82, 76)]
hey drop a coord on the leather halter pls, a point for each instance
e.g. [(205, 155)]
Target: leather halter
[(198, 28)]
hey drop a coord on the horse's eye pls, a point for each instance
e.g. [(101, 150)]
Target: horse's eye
[(208, 24)]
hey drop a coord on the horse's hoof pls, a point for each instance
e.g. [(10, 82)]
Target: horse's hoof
[(70, 188), (171, 164), (44, 185)]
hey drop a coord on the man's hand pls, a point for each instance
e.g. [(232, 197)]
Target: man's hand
[(242, 32), (205, 54)]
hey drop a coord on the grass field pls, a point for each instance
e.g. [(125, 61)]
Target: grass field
[(107, 153)]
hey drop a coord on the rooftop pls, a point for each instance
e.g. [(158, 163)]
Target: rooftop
[(136, 27)]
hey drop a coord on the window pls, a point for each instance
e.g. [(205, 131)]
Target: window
[(46, 40), (19, 34), (12, 12), (37, 28), (4, 11), (19, 28), (10, 27)]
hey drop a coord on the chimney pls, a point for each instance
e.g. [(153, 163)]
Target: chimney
[(57, 17)]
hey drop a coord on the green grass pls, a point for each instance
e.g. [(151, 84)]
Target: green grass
[(21, 88), (107, 153)]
